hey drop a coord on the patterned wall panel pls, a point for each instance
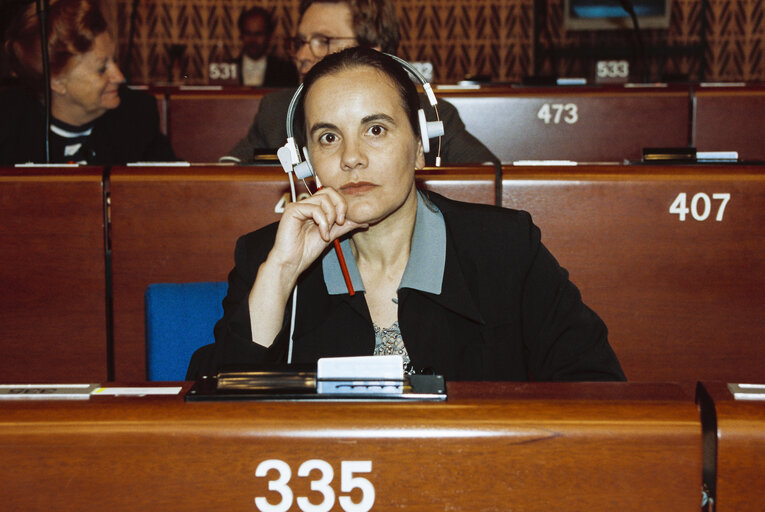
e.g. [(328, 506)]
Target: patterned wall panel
[(736, 38), (460, 37), (177, 39), (733, 34), (674, 51)]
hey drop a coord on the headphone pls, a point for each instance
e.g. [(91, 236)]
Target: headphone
[(289, 154)]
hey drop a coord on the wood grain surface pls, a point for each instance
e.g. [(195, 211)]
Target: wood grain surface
[(53, 298), (682, 300), (583, 124), (204, 125), (730, 119), (471, 453), (740, 484)]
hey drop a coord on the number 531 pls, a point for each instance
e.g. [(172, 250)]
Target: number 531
[(348, 482)]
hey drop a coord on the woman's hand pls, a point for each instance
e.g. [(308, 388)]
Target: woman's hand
[(306, 228)]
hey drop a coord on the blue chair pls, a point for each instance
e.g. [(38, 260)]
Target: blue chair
[(179, 319)]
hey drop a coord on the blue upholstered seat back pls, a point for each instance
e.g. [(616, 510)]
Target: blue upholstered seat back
[(179, 319)]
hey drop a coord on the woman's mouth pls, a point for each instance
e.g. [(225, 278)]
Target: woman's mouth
[(360, 187)]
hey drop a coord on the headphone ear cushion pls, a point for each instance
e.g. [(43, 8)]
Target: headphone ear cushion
[(423, 130), (304, 169)]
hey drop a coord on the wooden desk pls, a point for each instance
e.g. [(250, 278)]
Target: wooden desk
[(585, 124), (204, 125), (178, 225), (683, 300), (730, 119), (53, 299), (522, 447), (181, 225), (739, 432)]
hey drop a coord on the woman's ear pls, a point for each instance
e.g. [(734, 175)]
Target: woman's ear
[(420, 159)]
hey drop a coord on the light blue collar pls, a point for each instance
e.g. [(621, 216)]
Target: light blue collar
[(427, 258)]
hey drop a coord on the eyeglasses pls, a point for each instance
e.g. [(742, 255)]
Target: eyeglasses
[(319, 45)]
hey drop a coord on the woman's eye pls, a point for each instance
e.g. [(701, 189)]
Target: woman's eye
[(376, 130), (328, 138)]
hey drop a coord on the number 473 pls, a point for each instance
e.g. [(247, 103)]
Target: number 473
[(700, 207)]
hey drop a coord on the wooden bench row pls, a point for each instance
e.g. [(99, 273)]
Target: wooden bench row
[(584, 124), (670, 257), (529, 447)]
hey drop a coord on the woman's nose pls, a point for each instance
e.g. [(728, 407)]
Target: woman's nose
[(353, 156), (116, 75)]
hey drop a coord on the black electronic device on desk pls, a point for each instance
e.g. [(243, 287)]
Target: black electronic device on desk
[(335, 379), (687, 155)]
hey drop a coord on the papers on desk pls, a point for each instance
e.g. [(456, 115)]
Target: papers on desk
[(364, 374), (46, 391), (77, 391), (33, 164), (747, 391), (716, 156), (544, 162), (159, 164), (141, 391)]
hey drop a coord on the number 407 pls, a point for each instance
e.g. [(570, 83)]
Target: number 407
[(700, 206)]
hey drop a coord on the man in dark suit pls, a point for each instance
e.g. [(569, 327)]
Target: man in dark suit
[(256, 67), (328, 26)]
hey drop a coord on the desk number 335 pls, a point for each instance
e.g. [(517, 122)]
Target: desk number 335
[(348, 482)]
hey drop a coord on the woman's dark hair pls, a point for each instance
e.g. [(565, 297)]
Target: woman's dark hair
[(72, 27), (358, 56)]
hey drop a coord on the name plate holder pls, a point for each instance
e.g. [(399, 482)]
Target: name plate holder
[(365, 379)]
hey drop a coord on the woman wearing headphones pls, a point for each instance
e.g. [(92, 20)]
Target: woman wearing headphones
[(464, 290)]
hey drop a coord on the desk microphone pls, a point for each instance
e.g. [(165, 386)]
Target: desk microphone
[(627, 6)]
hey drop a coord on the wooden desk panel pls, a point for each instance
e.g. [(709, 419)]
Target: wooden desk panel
[(181, 225), (730, 119), (581, 124), (471, 453), (683, 300), (53, 303), (178, 225), (740, 483), (204, 125)]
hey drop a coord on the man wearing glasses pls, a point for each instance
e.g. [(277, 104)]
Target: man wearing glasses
[(328, 26)]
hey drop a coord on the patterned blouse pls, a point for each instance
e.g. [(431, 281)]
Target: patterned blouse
[(388, 341)]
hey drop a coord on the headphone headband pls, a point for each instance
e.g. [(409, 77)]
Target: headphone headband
[(289, 154)]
